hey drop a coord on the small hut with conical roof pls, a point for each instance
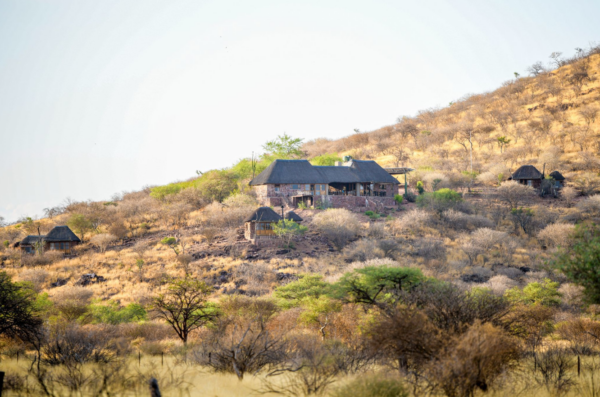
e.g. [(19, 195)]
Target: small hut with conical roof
[(259, 225), (60, 238)]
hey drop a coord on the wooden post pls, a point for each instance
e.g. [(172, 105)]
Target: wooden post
[(578, 366), (154, 391), (139, 358), (162, 358), (1, 382)]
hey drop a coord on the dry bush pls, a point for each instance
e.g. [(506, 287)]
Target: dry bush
[(552, 370), (589, 208), (363, 250), (254, 279), (557, 234), (231, 213), (241, 341), (474, 360), (572, 295), (587, 183), (102, 241), (376, 230), (372, 386), (514, 194), (568, 194), (46, 259), (414, 221), (209, 233), (37, 277), (118, 228), (499, 284), (338, 225), (71, 301), (464, 222), (582, 333)]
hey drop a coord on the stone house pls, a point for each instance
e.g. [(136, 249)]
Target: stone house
[(531, 176), (356, 183)]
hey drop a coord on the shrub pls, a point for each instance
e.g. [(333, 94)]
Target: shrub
[(102, 241), (420, 187), (325, 159), (363, 250), (398, 198), (440, 200), (590, 207), (338, 225), (71, 302), (558, 234), (410, 197), (36, 277), (514, 194), (414, 220), (111, 313), (287, 229), (369, 213), (372, 387), (544, 293), (460, 221)]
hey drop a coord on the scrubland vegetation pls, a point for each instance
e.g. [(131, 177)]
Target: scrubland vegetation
[(474, 285)]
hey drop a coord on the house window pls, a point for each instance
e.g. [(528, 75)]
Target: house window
[(52, 246), (295, 187), (66, 246), (276, 188), (306, 187), (529, 182), (381, 187)]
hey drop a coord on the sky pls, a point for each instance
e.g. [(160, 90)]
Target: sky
[(100, 97)]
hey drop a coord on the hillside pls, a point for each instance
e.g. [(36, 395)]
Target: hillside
[(470, 274), (548, 118)]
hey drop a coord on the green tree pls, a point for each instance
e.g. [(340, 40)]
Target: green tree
[(325, 159), (19, 317), (378, 285), (172, 243), (111, 313), (502, 142), (284, 147), (580, 262), (184, 306), (544, 293), (420, 187), (307, 286), (317, 311), (287, 229), (217, 185), (80, 224)]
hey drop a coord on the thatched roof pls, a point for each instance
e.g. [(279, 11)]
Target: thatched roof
[(557, 176), (302, 172), (293, 216), (30, 240), (61, 233), (527, 172), (264, 214)]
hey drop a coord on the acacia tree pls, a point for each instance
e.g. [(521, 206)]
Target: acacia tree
[(514, 193), (184, 306), (284, 146), (80, 223)]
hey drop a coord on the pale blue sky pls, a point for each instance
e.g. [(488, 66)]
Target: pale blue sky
[(97, 97)]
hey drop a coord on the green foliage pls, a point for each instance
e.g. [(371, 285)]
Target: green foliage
[(79, 224), (284, 147), (545, 293), (43, 304), (184, 306), (580, 263), (369, 213), (398, 198), (111, 313), (287, 229), (316, 310), (6, 243), (217, 185), (19, 315), (325, 159), (243, 169), (307, 286), (161, 192), (376, 284), (420, 187), (439, 201), (410, 197), (372, 387), (172, 243)]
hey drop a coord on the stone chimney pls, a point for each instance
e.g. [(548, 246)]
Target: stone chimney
[(338, 163)]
